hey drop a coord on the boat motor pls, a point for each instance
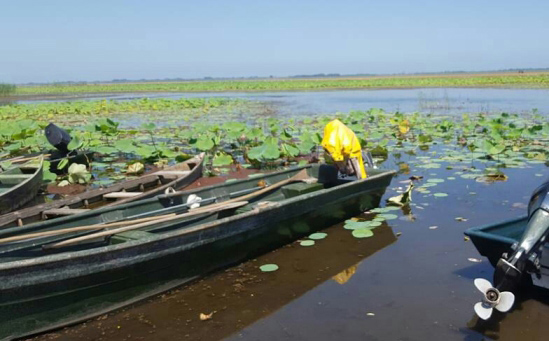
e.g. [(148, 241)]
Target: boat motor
[(57, 137), (525, 257)]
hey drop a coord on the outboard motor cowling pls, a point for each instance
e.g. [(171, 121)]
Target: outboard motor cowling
[(525, 257), (57, 137)]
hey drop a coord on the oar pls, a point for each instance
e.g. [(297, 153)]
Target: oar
[(300, 176), (197, 211), (80, 228), (239, 201), (27, 158)]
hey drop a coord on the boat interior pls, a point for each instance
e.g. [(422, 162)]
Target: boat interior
[(317, 177)]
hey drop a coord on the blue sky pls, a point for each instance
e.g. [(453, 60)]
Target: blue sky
[(46, 41)]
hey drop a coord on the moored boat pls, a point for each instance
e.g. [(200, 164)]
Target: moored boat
[(20, 184), (68, 273), (149, 185), (494, 240), (519, 252)]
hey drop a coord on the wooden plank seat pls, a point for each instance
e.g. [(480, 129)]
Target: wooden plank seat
[(121, 195), (64, 211), (171, 174), (15, 176)]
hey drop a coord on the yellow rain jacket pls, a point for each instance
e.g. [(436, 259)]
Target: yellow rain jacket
[(342, 144)]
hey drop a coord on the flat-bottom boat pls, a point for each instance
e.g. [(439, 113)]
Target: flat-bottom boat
[(20, 184), (53, 280), (495, 240), (174, 177)]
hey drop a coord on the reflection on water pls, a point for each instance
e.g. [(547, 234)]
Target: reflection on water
[(526, 321), (241, 295), (345, 275)]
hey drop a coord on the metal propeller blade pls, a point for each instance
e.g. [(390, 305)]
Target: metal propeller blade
[(482, 285), (506, 300), (493, 298), (482, 311)]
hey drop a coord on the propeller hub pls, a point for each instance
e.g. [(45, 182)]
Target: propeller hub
[(492, 296)]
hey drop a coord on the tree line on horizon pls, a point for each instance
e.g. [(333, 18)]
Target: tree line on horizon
[(7, 87)]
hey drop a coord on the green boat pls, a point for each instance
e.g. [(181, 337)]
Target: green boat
[(49, 280), (494, 240), (20, 184)]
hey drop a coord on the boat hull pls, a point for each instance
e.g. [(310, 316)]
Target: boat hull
[(20, 194), (493, 240), (92, 282)]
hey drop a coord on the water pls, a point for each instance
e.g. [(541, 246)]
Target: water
[(417, 281), (446, 100)]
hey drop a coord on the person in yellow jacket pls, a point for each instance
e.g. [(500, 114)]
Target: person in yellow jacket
[(342, 145)]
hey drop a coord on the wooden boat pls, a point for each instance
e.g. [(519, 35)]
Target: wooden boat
[(175, 177), (50, 280), (20, 184), (493, 240), (55, 157)]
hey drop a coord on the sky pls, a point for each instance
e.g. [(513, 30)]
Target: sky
[(101, 40)]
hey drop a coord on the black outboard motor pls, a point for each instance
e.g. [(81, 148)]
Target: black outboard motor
[(526, 253), (57, 137), (525, 257)]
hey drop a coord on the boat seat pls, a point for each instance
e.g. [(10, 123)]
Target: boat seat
[(293, 190), (127, 236), (171, 174), (15, 176), (64, 211), (121, 195)]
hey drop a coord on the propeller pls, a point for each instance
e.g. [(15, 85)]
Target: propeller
[(493, 298)]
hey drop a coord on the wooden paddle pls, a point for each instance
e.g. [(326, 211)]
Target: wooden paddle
[(237, 202), (202, 210), (80, 228), (19, 160)]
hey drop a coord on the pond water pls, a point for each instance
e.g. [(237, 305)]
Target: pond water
[(413, 280), (439, 100)]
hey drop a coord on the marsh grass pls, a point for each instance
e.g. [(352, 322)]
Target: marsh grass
[(7, 89)]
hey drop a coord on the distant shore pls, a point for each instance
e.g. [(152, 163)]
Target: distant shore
[(535, 80)]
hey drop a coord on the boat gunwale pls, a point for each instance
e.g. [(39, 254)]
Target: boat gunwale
[(37, 172), (12, 217), (177, 233), (482, 232)]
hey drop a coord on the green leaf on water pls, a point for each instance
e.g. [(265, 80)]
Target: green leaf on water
[(74, 144), (388, 216), (362, 233), (435, 180), (63, 163), (268, 267), (318, 235), (440, 195), (222, 160), (307, 243)]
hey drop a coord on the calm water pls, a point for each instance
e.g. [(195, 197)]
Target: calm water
[(417, 281), (408, 282), (439, 100)]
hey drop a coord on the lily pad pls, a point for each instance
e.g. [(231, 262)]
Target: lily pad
[(435, 180), (268, 267), (307, 243), (362, 233), (318, 235), (388, 216), (440, 195)]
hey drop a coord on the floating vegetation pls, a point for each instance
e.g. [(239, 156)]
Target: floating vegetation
[(307, 243), (268, 267), (235, 134), (362, 233), (537, 80), (318, 235)]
